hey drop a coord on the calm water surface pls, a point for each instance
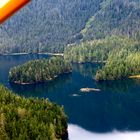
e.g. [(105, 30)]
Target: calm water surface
[(112, 114)]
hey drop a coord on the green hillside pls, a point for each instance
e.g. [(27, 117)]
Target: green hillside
[(30, 119), (50, 25), (120, 56), (115, 17), (46, 25)]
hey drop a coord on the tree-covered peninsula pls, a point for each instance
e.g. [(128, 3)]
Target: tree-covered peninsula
[(120, 55), (31, 119), (120, 65), (38, 71)]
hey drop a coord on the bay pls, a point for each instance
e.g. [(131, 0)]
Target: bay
[(111, 113)]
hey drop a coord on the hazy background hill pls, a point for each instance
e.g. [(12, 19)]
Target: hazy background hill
[(50, 25)]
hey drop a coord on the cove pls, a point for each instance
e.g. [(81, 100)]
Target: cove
[(115, 107)]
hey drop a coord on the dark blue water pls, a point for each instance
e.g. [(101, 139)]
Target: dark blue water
[(116, 107)]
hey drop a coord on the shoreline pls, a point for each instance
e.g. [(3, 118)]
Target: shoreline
[(134, 77), (54, 54), (46, 53), (37, 82), (99, 62), (8, 54)]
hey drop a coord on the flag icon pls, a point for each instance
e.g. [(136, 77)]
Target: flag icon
[(9, 7)]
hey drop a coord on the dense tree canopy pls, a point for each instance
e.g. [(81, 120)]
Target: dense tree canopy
[(30, 119), (106, 31), (36, 71), (97, 50), (115, 17), (50, 25), (121, 64), (121, 55), (46, 25)]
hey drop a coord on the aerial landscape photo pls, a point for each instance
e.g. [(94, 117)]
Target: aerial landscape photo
[(70, 70)]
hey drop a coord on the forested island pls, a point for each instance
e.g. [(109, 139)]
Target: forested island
[(31, 119), (39, 71)]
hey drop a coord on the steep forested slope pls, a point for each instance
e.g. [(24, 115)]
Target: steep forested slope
[(49, 25), (46, 25), (30, 119), (118, 17)]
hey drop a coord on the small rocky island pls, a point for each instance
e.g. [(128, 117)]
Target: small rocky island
[(39, 71), (89, 89)]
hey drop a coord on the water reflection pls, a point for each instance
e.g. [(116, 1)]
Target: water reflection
[(119, 86), (44, 89), (86, 70)]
